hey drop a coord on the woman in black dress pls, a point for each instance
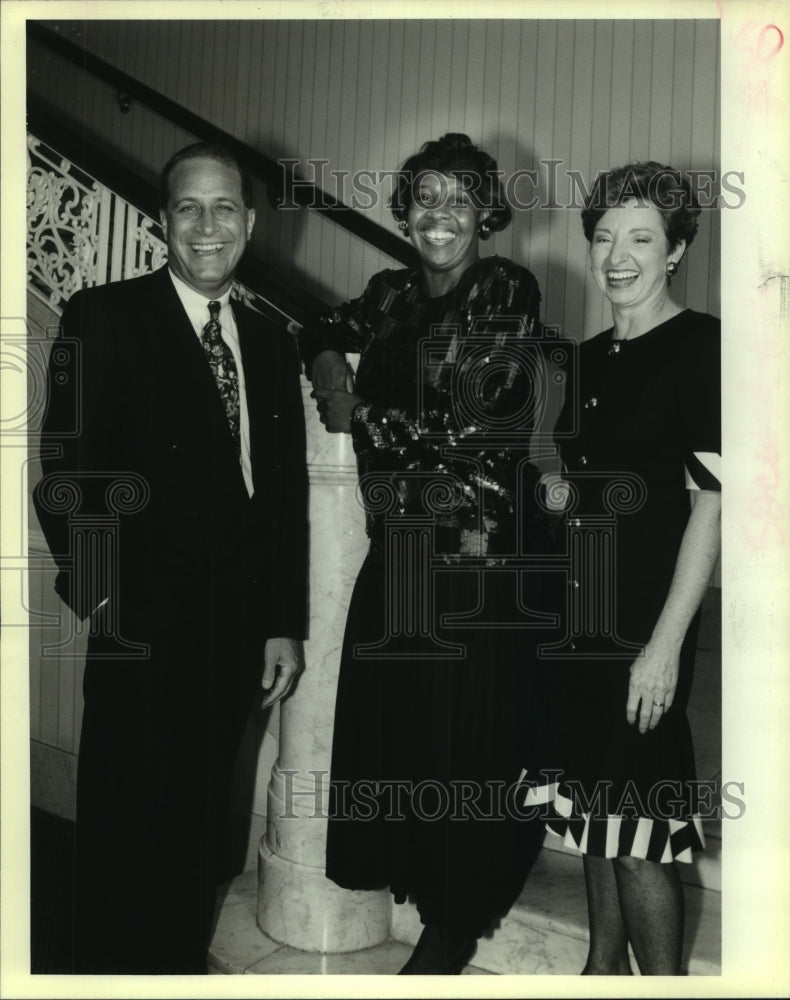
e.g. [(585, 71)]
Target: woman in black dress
[(431, 714), (640, 443)]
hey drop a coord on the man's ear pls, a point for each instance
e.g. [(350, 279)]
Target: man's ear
[(250, 222), (163, 221)]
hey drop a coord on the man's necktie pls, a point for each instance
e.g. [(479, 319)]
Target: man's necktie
[(220, 359)]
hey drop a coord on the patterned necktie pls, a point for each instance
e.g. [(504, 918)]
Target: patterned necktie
[(220, 359)]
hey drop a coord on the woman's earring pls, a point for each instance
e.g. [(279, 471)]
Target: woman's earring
[(484, 230), (672, 268), (403, 225)]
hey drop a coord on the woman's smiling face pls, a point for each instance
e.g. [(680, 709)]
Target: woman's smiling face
[(629, 254), (443, 223)]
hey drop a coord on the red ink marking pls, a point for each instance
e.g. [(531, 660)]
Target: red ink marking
[(769, 34), (780, 40)]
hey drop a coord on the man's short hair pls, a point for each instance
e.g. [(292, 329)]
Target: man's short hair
[(206, 151)]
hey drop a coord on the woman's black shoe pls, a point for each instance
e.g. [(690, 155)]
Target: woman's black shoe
[(439, 953)]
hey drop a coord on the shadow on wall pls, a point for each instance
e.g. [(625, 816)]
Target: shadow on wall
[(292, 240), (550, 243)]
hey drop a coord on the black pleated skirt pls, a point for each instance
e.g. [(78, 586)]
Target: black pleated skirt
[(432, 726)]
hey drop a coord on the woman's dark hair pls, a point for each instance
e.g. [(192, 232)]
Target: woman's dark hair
[(455, 155), (649, 183), (206, 151)]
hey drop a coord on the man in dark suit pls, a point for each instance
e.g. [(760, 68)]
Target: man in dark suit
[(174, 503)]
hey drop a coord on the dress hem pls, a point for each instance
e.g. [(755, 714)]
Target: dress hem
[(659, 840)]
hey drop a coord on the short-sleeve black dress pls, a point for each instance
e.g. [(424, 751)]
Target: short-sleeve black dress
[(640, 431), (433, 716)]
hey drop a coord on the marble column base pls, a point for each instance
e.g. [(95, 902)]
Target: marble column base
[(300, 907)]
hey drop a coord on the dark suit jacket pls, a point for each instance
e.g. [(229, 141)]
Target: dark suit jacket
[(133, 401), (143, 500)]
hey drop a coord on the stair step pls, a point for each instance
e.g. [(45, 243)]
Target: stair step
[(545, 932)]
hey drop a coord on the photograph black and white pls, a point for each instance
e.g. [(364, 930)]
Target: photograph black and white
[(396, 477)]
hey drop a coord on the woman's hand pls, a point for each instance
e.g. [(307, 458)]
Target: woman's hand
[(335, 408), (330, 371), (654, 678)]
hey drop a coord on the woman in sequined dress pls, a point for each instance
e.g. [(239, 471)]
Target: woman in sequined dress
[(432, 715), (640, 442)]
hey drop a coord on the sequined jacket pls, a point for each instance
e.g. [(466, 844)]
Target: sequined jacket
[(449, 386)]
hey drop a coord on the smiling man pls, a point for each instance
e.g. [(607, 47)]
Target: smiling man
[(207, 217), (181, 432)]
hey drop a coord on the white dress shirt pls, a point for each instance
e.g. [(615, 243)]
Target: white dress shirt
[(196, 306)]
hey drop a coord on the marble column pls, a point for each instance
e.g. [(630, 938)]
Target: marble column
[(297, 905)]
